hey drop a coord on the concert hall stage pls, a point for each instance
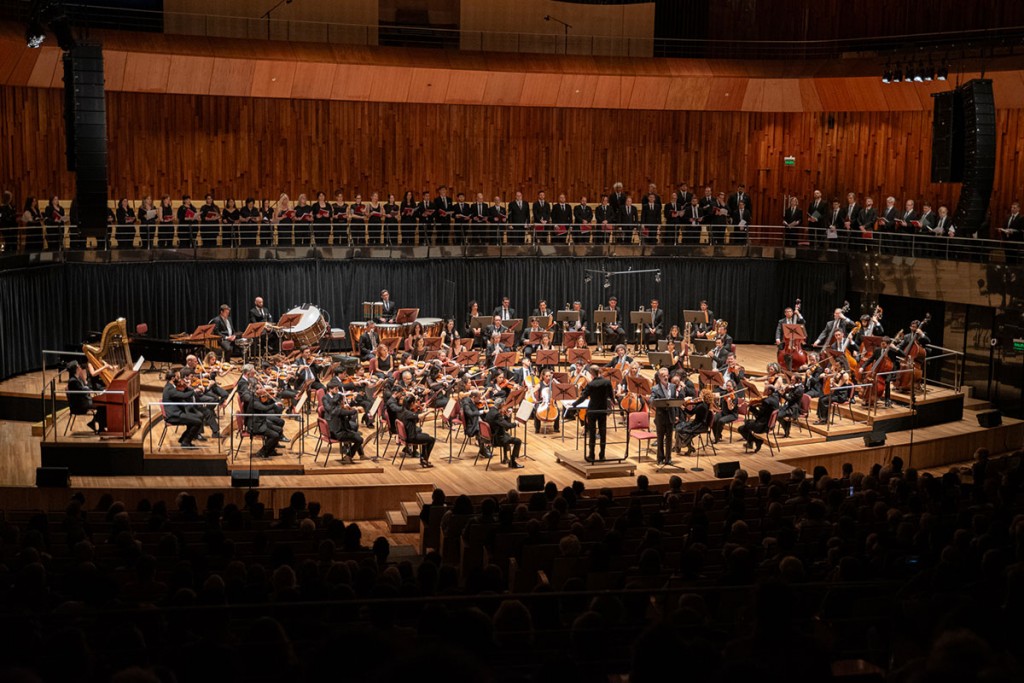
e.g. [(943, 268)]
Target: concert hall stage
[(943, 430)]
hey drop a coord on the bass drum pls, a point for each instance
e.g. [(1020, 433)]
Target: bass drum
[(311, 328)]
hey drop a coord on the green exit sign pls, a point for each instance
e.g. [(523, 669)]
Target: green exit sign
[(789, 161), (1018, 344)]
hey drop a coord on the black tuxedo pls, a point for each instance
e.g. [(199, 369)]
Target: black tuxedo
[(413, 433), (664, 420), (367, 345), (582, 215), (511, 313), (600, 393), (561, 214), (519, 213), (736, 197), (541, 212), (617, 201), (470, 417), (223, 328), (650, 218), (260, 315), (388, 311), (654, 331), (797, 319), (1015, 228), (180, 409), (851, 213)]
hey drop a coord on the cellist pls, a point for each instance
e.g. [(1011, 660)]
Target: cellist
[(886, 359)]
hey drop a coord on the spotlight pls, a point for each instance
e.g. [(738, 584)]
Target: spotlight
[(587, 279), (943, 73), (35, 35), (657, 277), (897, 75), (607, 283)]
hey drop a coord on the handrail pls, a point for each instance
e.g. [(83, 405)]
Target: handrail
[(54, 392)]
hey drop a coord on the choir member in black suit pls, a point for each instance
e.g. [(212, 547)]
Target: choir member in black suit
[(188, 220), (374, 219), (479, 217), (426, 214), (617, 200), (583, 219), (443, 210), (866, 221), (321, 220), (124, 230), (816, 210), (791, 222), (684, 195), (673, 219), (392, 214), (339, 219), (693, 217), (833, 224), (518, 219), (707, 200), (851, 220), (561, 218), (740, 224), (463, 214), (407, 224), (740, 195), (53, 224), (905, 228), (887, 224), (650, 219), (718, 218), (498, 220), (542, 218), (1012, 230), (209, 222), (630, 221), (604, 219)]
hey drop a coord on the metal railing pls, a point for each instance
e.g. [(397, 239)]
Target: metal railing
[(931, 377), (458, 239), (50, 410), (299, 440)]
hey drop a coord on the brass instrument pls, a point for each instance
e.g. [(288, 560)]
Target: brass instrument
[(112, 353), (687, 329)]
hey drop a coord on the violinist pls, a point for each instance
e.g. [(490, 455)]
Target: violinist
[(245, 388), (790, 316), (355, 386), (474, 407), (706, 322), (729, 404), (840, 393), (684, 385), (664, 418), (762, 410), (179, 409), (734, 372), (688, 430), (307, 370), (501, 426), (281, 380), (410, 417), (792, 396), (266, 421), (342, 421), (201, 377), (814, 378), (774, 377)]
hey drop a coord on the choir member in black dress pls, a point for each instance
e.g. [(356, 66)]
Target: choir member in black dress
[(284, 217), (265, 231), (339, 219), (166, 233), (32, 225), (124, 229), (229, 222), (53, 219), (374, 218), (392, 213), (248, 223), (357, 220), (303, 220), (188, 219), (148, 217), (209, 222), (321, 220), (407, 223)]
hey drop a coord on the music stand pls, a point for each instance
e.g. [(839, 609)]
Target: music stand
[(205, 332), (468, 358), (392, 343), (481, 321), (570, 337), (432, 343), (567, 316), (463, 345), (660, 359), (603, 318), (512, 324), (289, 320), (639, 385), (751, 387), (712, 377), (432, 354), (698, 363), (523, 414), (612, 374), (576, 355), (697, 317), (535, 337), (702, 346), (638, 320), (544, 321), (253, 331), (406, 316), (506, 359), (546, 357), (508, 339)]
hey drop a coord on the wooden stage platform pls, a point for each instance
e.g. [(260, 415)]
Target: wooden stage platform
[(942, 430)]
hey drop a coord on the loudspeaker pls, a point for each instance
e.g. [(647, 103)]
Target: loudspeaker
[(85, 124), (990, 418), (530, 482), (948, 137), (979, 154), (874, 439), (725, 470), (243, 479), (53, 477)]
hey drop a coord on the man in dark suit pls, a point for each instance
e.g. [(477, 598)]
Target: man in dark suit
[(388, 308), (684, 195), (542, 217), (444, 210), (223, 328), (604, 220), (673, 219), (664, 418), (582, 219), (245, 387), (905, 228), (561, 218), (473, 410), (599, 392), (850, 219), (834, 225), (179, 409), (740, 195), (479, 217), (656, 329), (497, 217), (693, 217), (816, 210), (426, 215), (839, 322), (505, 310), (266, 421), (790, 317), (719, 218), (792, 219), (759, 425), (496, 327), (259, 313), (368, 341), (923, 231), (866, 220), (342, 421), (887, 227), (740, 224), (501, 438), (518, 219), (614, 332), (617, 200), (1013, 229), (650, 219), (410, 419), (463, 214), (630, 219), (80, 403)]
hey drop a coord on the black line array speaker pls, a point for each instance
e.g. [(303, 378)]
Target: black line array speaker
[(85, 122), (948, 137), (990, 418), (530, 482), (724, 470), (979, 155)]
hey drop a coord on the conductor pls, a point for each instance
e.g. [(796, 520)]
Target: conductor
[(600, 393)]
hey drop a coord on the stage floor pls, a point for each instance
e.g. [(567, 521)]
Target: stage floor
[(364, 490)]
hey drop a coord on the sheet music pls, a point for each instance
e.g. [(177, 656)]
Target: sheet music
[(138, 363), (568, 403)]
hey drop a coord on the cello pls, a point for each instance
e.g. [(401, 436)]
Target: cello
[(792, 354), (913, 361), (874, 375)]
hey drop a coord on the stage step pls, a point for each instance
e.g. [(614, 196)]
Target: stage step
[(977, 404), (423, 498), (613, 468), (800, 440), (397, 523), (411, 512)]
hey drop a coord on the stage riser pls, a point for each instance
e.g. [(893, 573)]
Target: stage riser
[(177, 467), (95, 459), (928, 414), (26, 409)]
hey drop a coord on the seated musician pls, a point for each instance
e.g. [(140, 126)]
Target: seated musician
[(474, 407), (614, 333), (449, 334), (282, 379), (307, 370), (438, 384), (620, 360), (684, 385), (654, 330), (792, 396), (678, 359), (729, 402), (355, 386), (706, 323), (496, 327), (266, 421), (498, 383), (719, 355), (415, 333), (840, 393), (813, 376), (632, 371), (526, 375), (578, 325), (179, 409), (389, 309), (81, 403), (419, 350), (689, 429), (544, 392), (223, 328), (410, 417), (501, 437), (733, 372), (761, 411), (201, 376), (245, 388), (675, 335), (385, 361), (342, 421), (546, 345), (494, 347), (368, 341), (525, 341), (722, 332)]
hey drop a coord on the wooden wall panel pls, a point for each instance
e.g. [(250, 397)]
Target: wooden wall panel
[(263, 146)]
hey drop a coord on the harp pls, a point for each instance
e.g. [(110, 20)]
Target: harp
[(112, 354)]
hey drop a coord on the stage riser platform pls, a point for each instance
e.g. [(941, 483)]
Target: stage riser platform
[(21, 408)]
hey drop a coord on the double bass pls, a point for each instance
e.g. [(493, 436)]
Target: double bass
[(873, 374), (914, 360), (792, 354)]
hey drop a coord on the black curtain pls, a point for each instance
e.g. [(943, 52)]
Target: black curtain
[(55, 307)]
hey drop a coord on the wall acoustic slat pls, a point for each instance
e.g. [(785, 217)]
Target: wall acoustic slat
[(264, 146)]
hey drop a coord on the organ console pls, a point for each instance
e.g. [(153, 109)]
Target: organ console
[(111, 359)]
